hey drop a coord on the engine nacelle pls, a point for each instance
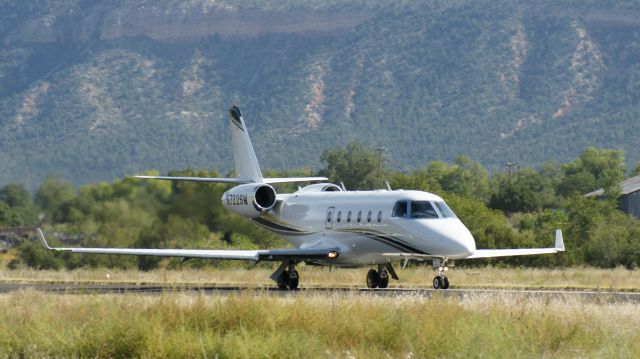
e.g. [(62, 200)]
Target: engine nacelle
[(249, 200)]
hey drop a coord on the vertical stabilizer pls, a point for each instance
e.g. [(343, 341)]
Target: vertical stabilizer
[(247, 167)]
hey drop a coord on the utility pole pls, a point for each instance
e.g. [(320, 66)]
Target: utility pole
[(380, 150), (510, 166)]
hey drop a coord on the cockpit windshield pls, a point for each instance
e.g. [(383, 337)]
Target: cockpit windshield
[(400, 210), (445, 210), (423, 209)]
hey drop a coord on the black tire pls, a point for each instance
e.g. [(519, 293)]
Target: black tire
[(372, 278), (293, 280), (282, 280), (383, 279), (437, 282), (445, 284)]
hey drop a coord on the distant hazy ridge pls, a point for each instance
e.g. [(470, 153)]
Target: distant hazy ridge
[(96, 90)]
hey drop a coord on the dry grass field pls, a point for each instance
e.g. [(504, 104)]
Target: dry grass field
[(341, 325), (618, 279), (256, 324)]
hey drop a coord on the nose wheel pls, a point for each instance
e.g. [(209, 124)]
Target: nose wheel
[(441, 281)]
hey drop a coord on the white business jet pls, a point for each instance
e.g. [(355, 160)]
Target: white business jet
[(329, 225)]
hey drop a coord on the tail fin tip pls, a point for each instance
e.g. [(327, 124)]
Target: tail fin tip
[(246, 162)]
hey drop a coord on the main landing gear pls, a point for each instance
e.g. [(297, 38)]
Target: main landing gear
[(286, 276), (380, 278), (441, 281)]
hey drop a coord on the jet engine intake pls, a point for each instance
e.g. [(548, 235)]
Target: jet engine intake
[(249, 200)]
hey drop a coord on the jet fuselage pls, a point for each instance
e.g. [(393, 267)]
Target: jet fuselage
[(367, 224)]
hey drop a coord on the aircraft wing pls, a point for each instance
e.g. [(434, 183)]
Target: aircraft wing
[(488, 253), (491, 253), (234, 180), (254, 255)]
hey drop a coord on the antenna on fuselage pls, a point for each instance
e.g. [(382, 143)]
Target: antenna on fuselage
[(342, 186), (388, 185)]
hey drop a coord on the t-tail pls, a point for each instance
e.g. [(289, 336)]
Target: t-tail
[(247, 167), (246, 162)]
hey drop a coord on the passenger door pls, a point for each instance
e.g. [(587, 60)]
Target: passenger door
[(328, 222)]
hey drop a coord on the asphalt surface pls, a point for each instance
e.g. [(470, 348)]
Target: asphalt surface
[(65, 288)]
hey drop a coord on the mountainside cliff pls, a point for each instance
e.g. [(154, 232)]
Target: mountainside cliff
[(96, 90)]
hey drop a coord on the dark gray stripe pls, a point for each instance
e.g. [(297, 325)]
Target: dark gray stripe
[(395, 242), (237, 123), (279, 227)]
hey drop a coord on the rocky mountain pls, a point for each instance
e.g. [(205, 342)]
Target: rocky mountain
[(95, 90)]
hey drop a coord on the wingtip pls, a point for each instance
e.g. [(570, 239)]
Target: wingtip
[(42, 238), (559, 241)]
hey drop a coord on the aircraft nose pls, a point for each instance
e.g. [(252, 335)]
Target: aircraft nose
[(463, 242), (468, 243)]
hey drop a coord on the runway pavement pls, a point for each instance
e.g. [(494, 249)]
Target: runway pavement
[(65, 288)]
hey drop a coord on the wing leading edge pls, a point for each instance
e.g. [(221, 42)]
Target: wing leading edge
[(253, 255), (489, 253)]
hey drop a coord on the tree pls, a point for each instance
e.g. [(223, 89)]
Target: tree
[(53, 197), (529, 190), (15, 195), (355, 166), (419, 180), (514, 196), (465, 177), (34, 255), (8, 218), (594, 169), (199, 202), (636, 170)]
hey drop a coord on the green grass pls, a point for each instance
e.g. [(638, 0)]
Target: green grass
[(618, 279), (257, 325)]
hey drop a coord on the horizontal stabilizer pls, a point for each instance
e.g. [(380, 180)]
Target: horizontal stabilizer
[(234, 180), (294, 179), (197, 179)]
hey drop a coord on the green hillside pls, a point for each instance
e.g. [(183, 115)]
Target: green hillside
[(96, 90)]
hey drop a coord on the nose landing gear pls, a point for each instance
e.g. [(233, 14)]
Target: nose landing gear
[(441, 281)]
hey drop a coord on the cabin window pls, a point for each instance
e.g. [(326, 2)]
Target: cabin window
[(379, 216), (369, 217), (349, 217), (445, 211), (400, 210), (339, 216), (423, 209), (329, 215), (359, 216)]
